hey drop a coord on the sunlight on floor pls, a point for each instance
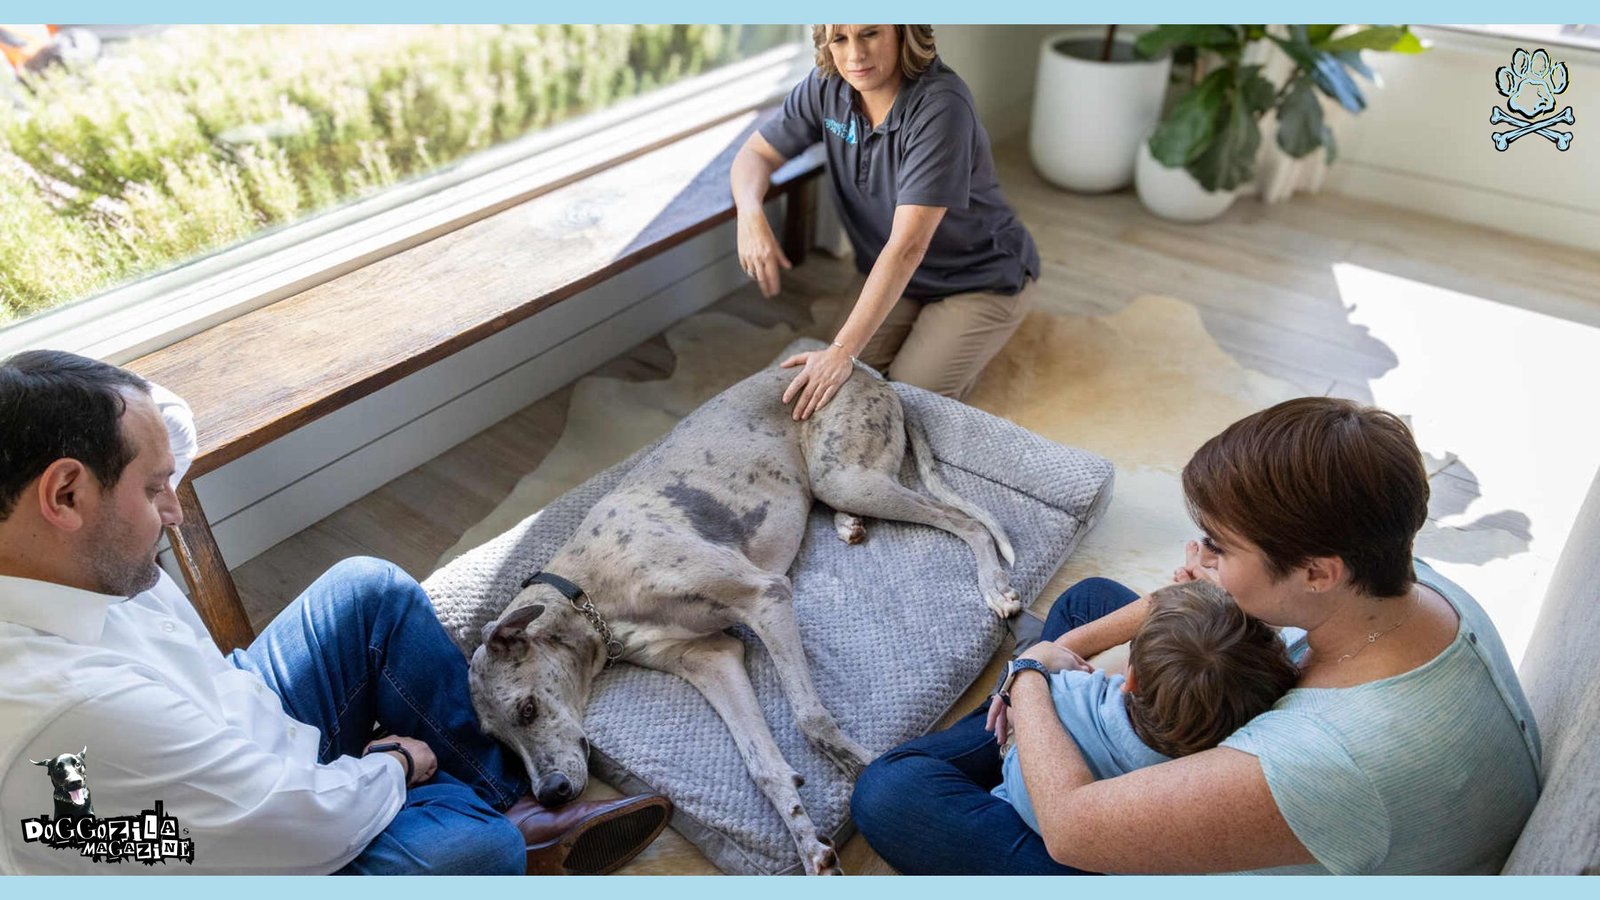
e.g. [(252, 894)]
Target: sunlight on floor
[(1505, 393)]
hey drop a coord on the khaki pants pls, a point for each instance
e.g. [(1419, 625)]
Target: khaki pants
[(942, 346)]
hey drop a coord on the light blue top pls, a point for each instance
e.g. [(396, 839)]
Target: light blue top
[(1090, 706), (1432, 771)]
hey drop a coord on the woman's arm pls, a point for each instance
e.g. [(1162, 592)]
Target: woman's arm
[(760, 255), (909, 237), (1210, 812), (826, 370)]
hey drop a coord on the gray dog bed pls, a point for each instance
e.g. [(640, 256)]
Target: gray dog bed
[(894, 628)]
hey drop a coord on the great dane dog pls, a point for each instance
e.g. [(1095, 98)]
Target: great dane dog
[(698, 537)]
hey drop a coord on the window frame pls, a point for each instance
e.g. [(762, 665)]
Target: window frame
[(145, 315)]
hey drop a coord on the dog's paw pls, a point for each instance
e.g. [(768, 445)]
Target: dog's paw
[(1004, 602), (823, 860), (849, 528)]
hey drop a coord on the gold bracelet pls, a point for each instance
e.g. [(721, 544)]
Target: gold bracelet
[(847, 352)]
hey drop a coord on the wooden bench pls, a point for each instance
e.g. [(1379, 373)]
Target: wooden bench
[(264, 374)]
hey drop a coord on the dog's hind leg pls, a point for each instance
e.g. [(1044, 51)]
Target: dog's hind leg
[(870, 492), (770, 614), (715, 666)]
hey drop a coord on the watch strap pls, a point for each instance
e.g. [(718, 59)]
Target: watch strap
[(411, 764)]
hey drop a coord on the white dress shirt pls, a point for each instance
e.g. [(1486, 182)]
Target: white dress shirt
[(166, 717)]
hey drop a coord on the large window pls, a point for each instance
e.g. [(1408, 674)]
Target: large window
[(177, 143)]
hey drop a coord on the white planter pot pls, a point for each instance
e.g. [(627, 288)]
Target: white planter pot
[(1174, 193), (1089, 116)]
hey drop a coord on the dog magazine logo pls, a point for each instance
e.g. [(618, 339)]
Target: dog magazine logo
[(1530, 85), (150, 837)]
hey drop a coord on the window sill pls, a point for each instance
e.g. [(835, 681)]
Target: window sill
[(140, 318)]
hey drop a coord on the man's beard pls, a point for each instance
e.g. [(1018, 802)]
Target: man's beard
[(117, 575)]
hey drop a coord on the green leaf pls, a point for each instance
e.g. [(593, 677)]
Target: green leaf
[(1327, 141), (1300, 126), (1230, 159), (1378, 37), (1187, 130), (1317, 35), (1225, 39), (1408, 44), (1259, 94)]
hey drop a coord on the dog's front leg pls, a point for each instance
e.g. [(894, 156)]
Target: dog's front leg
[(771, 617), (715, 666)]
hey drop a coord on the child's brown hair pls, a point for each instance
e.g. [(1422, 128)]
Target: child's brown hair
[(1201, 668)]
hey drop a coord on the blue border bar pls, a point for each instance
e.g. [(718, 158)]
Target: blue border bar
[(947, 11)]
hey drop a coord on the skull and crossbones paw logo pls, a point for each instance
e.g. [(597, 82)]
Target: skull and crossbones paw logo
[(1530, 85)]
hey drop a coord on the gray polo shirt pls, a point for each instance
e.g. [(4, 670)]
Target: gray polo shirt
[(931, 150)]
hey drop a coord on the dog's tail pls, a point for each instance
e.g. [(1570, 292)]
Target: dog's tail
[(936, 486)]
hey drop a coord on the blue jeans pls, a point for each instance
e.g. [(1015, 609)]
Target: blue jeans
[(925, 806), (363, 645)]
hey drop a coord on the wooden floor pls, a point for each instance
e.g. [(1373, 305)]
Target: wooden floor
[(1263, 278)]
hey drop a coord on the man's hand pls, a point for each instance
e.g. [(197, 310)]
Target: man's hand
[(824, 374), (423, 763)]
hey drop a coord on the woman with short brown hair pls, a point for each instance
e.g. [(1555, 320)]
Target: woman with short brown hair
[(1406, 746)]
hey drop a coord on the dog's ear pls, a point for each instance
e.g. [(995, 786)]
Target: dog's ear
[(38, 763), (500, 636), (84, 754)]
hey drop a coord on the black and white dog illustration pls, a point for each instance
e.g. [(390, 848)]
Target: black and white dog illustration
[(68, 775)]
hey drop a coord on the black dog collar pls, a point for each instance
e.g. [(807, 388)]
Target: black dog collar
[(584, 606), (568, 590)]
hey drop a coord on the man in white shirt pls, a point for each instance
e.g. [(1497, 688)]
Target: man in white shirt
[(153, 751)]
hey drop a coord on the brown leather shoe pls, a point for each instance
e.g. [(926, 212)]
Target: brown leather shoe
[(588, 838)]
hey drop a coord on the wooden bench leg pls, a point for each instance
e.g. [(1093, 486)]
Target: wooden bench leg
[(211, 586), (798, 213)]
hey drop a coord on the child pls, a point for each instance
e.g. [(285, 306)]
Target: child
[(1198, 668)]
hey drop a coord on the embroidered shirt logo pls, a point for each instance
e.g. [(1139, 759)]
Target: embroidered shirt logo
[(848, 135), (1530, 85)]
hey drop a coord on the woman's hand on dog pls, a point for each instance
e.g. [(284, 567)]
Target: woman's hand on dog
[(423, 763), (825, 372)]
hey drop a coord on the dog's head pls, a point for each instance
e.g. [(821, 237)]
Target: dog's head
[(68, 772), (530, 681)]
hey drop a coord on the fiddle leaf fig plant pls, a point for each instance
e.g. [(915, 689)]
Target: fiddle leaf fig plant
[(1214, 130)]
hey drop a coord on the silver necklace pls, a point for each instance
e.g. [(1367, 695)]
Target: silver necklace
[(1372, 636)]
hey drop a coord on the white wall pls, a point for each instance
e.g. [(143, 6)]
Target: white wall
[(999, 64), (1423, 142)]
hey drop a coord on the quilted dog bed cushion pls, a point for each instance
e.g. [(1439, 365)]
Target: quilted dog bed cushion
[(894, 628)]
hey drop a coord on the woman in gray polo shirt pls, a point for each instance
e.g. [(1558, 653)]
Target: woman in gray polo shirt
[(948, 266)]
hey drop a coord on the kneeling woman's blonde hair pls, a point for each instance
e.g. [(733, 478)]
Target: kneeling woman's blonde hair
[(916, 48)]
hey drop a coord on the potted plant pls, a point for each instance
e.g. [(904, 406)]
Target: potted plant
[(1206, 146), (1094, 101)]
